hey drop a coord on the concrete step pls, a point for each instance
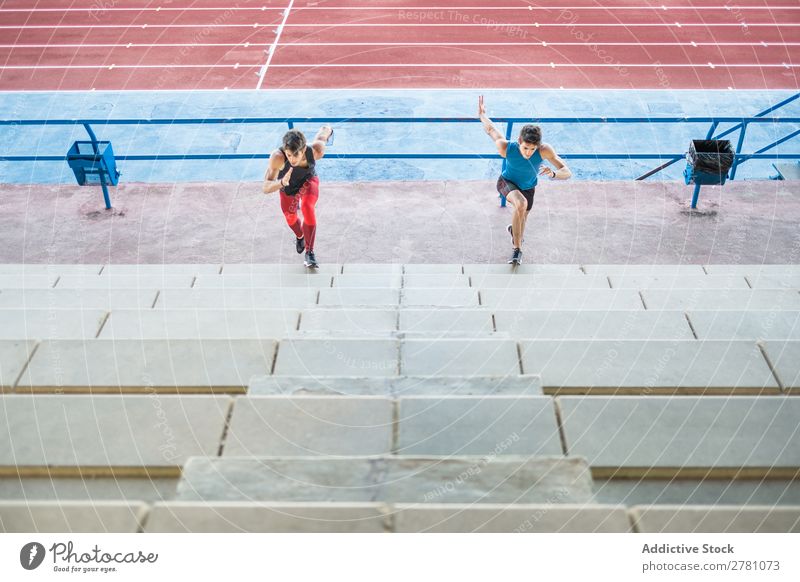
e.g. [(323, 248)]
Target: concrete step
[(743, 325), (70, 516), (565, 366), (161, 270), (240, 298), (550, 299), (268, 517), (310, 426), (514, 518), (425, 321), (275, 269), (14, 355), (374, 517), (753, 270), (370, 425), (457, 357), (727, 299), (81, 299), (439, 321), (654, 436), (27, 281), (434, 269), (715, 519), (313, 280), (88, 484), (345, 297), (774, 281), (501, 479), (648, 367), (382, 517), (126, 324), (108, 431), (602, 325), (394, 281), (484, 425), (141, 282), (523, 281), (784, 357), (366, 281), (397, 386), (352, 321), (150, 366), (413, 357), (644, 270), (524, 269), (454, 298), (433, 280), (666, 281), (48, 269), (691, 490), (338, 357), (372, 269), (22, 324)]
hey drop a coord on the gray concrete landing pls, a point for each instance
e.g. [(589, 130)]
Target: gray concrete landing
[(574, 222)]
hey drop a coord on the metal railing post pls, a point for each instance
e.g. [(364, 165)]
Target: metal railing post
[(739, 145), (96, 148), (711, 130), (696, 195)]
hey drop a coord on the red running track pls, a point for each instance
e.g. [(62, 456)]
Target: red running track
[(263, 44)]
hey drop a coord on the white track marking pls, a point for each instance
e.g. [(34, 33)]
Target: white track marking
[(393, 44), (410, 25), (390, 8), (273, 46), (410, 65)]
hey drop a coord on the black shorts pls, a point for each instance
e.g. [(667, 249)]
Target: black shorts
[(505, 188)]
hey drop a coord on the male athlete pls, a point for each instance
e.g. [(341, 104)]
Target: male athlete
[(291, 170), (521, 173)]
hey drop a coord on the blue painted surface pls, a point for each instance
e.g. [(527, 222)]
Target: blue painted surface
[(405, 138)]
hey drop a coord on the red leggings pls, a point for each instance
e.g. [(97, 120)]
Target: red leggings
[(306, 199)]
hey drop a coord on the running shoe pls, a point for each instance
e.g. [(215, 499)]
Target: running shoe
[(311, 260), (516, 258), (300, 245)]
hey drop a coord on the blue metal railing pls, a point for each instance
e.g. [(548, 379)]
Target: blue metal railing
[(740, 124)]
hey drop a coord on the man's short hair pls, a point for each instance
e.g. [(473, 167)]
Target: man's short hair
[(531, 134), (294, 141)]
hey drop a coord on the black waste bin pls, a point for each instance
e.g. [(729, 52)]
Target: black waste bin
[(708, 161)]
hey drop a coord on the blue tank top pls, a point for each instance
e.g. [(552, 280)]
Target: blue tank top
[(521, 172)]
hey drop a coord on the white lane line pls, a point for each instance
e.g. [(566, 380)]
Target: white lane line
[(111, 67), (392, 44), (541, 24), (99, 8), (410, 25), (273, 46), (408, 65)]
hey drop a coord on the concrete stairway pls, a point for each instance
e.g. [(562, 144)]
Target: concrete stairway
[(399, 398)]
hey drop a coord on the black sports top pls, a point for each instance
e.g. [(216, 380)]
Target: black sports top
[(300, 175)]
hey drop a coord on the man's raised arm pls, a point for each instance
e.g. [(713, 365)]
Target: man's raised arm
[(490, 129)]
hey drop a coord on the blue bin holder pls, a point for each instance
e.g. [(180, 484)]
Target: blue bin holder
[(698, 178), (94, 158)]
